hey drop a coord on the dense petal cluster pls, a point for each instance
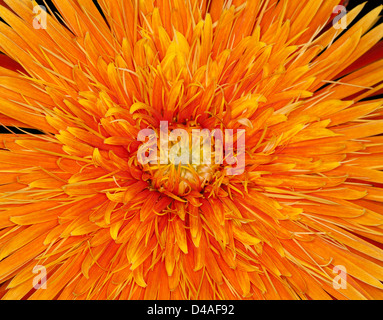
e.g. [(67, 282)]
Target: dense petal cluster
[(75, 199)]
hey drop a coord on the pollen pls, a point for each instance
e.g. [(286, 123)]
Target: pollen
[(182, 164)]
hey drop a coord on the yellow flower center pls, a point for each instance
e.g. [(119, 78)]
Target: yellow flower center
[(183, 163)]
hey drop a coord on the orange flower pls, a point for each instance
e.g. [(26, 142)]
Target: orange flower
[(76, 201)]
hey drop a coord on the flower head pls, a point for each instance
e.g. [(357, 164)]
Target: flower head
[(76, 199)]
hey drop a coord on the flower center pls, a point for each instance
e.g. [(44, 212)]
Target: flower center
[(182, 160), (179, 179)]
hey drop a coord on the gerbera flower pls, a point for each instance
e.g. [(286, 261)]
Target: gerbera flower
[(76, 92)]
